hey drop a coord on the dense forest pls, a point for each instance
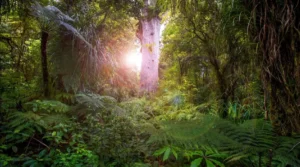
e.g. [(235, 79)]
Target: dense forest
[(149, 83)]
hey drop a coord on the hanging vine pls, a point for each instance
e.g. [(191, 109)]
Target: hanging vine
[(275, 25)]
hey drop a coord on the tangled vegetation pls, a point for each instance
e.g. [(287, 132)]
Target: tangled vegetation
[(228, 91)]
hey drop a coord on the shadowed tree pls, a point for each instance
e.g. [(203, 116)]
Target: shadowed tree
[(275, 26)]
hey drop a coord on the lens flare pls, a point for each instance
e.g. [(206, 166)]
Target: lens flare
[(134, 60)]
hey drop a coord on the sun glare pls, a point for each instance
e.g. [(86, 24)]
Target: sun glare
[(134, 60)]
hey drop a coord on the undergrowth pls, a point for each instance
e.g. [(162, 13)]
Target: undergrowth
[(167, 131)]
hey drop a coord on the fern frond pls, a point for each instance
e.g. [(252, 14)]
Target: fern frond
[(287, 152), (134, 105), (51, 16), (187, 133), (94, 103), (50, 106), (22, 125), (49, 120), (244, 143), (66, 98), (20, 118)]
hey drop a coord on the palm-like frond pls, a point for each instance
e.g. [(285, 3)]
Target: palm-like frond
[(51, 16), (50, 13), (252, 140)]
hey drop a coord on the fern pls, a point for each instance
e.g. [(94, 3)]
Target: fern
[(287, 152), (51, 16), (21, 126), (49, 106), (94, 103), (138, 110), (134, 105), (66, 98), (40, 116), (245, 143)]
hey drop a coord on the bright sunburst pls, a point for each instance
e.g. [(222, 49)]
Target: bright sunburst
[(134, 60)]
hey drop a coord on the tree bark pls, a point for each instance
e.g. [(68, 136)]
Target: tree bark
[(222, 83), (149, 34), (44, 60), (274, 27)]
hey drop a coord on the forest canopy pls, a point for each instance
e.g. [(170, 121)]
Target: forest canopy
[(149, 83)]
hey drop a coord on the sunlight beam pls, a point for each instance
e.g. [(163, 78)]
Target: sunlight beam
[(134, 60)]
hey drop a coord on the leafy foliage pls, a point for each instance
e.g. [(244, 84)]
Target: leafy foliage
[(233, 59), (77, 157), (249, 142), (48, 106)]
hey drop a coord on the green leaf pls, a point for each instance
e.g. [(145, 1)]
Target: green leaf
[(16, 130), (14, 148), (196, 162), (209, 163), (217, 162), (29, 162), (218, 155), (160, 151), (167, 154), (237, 157), (198, 153), (175, 153), (34, 164), (54, 133), (42, 153)]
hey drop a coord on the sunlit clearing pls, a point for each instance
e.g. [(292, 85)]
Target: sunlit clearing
[(134, 60)]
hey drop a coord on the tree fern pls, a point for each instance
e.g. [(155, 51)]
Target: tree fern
[(51, 16)]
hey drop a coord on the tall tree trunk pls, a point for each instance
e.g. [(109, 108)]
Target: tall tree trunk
[(222, 83), (274, 26), (149, 34), (284, 112), (45, 72)]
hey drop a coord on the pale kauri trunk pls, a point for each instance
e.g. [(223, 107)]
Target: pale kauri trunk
[(149, 35)]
